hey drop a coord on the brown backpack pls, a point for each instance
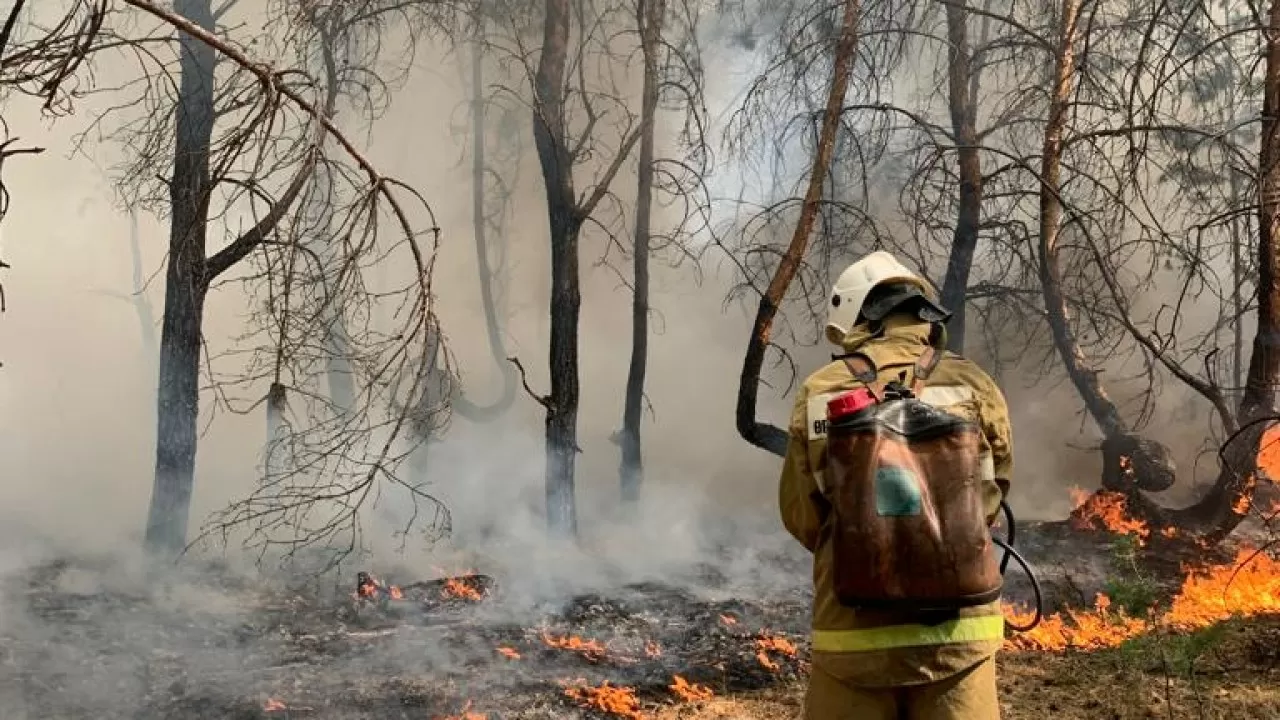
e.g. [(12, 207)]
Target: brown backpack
[(908, 527)]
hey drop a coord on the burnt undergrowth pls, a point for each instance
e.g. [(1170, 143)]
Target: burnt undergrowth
[(80, 643)]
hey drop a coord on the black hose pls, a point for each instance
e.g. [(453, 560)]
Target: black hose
[(1007, 544), (1011, 534), (1035, 586)]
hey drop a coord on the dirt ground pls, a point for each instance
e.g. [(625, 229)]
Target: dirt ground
[(1229, 673)]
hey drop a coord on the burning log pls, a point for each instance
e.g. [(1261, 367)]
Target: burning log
[(370, 589), (453, 591)]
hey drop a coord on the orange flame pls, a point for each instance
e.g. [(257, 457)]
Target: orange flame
[(774, 643), (456, 588), (619, 701), (509, 653), (1269, 453), (1248, 587), (273, 705), (590, 649), (689, 692), (1106, 510), (767, 643), (763, 658)]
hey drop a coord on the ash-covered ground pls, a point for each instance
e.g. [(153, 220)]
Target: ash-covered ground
[(103, 640)]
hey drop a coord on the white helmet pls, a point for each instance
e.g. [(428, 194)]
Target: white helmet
[(856, 282)]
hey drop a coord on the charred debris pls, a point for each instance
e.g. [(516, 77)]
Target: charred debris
[(445, 649)]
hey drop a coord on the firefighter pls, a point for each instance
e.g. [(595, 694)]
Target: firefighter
[(887, 664)]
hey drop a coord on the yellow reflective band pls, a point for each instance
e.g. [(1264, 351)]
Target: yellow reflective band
[(960, 630)]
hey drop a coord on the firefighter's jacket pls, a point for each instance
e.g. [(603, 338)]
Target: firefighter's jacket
[(886, 648)]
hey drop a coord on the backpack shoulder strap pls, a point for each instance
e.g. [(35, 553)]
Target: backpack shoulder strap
[(929, 359), (865, 371)]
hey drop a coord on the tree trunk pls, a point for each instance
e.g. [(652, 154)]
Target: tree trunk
[(497, 348), (142, 303), (762, 435), (1085, 379), (1227, 503), (963, 90), (549, 134), (1237, 298), (649, 16), (177, 401), (1129, 462)]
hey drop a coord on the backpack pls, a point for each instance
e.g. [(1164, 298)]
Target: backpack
[(908, 526)]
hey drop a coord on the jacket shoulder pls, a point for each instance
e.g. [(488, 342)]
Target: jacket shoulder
[(956, 369)]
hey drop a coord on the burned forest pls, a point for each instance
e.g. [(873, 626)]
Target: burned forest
[(437, 359)]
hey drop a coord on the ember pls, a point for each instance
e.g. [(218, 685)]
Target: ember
[(652, 649), (273, 705), (466, 714), (590, 649), (619, 701), (689, 692), (728, 620), (1105, 510), (509, 653)]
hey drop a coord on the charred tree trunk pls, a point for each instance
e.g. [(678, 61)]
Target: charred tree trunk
[(963, 91), (650, 15), (762, 435), (549, 134), (1227, 503), (177, 401)]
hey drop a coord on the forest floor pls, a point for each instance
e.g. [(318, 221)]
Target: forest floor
[(79, 641)]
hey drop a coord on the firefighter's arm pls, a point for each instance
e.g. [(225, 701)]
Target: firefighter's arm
[(798, 494), (998, 430)]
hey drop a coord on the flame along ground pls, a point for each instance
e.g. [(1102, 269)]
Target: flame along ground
[(613, 700), (1248, 586)]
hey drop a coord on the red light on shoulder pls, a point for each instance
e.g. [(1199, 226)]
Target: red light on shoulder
[(846, 404)]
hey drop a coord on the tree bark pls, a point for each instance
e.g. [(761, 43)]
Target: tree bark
[(962, 90), (649, 16), (549, 134), (177, 398), (763, 435), (1085, 379)]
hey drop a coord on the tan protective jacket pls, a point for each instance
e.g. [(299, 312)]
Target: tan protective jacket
[(881, 648)]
